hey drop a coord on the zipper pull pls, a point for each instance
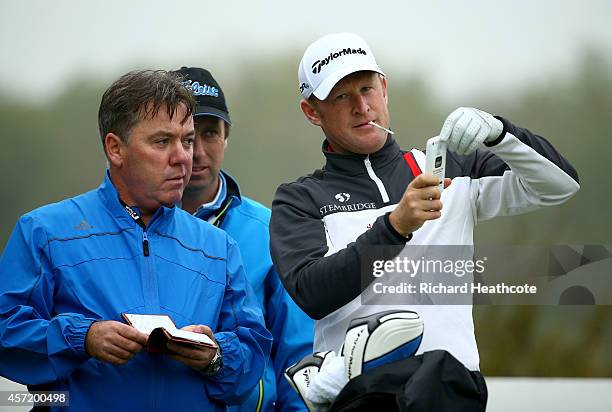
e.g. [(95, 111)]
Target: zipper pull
[(145, 243)]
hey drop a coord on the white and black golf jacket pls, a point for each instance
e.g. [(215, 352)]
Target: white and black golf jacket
[(324, 222)]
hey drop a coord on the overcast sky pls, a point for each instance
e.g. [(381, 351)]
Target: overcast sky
[(462, 46)]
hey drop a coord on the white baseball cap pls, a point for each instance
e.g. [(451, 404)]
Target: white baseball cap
[(329, 59)]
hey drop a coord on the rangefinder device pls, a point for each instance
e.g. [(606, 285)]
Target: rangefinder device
[(435, 159)]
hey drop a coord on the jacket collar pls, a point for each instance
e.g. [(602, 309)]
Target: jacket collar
[(110, 198), (233, 189), (232, 199), (353, 164)]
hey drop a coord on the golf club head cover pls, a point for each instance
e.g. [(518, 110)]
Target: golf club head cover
[(301, 374), (379, 339)]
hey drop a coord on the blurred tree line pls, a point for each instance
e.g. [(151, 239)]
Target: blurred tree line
[(51, 150)]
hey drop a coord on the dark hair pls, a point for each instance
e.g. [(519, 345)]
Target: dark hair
[(139, 95)]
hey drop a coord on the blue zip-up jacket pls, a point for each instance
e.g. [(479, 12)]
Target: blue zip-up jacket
[(80, 260), (247, 222)]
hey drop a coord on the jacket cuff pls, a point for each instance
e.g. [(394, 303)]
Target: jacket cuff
[(502, 135), (76, 334), (398, 236), (231, 356)]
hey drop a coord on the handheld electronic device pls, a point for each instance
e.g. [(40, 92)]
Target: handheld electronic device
[(435, 159)]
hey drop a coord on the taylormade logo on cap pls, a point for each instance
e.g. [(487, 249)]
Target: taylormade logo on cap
[(316, 66), (329, 59)]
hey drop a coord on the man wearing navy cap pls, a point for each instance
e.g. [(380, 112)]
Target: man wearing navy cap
[(213, 195)]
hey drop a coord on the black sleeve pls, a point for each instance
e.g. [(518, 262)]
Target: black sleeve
[(321, 284)]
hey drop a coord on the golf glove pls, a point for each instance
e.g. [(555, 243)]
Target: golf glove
[(466, 128)]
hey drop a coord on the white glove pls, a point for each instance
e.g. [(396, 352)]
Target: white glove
[(328, 383), (466, 128)]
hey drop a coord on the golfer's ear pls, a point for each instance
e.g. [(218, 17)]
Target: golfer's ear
[(383, 81), (113, 146), (310, 112)]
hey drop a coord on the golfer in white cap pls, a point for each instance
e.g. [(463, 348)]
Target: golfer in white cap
[(327, 227)]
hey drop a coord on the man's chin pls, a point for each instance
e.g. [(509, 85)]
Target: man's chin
[(172, 198), (199, 182), (370, 146), (196, 186)]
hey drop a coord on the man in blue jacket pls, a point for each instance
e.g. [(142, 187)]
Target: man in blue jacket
[(213, 195), (72, 268)]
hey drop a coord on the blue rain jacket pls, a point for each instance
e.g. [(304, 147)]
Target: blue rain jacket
[(80, 260), (247, 222)]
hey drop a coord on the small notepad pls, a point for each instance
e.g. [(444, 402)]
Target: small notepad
[(161, 330)]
